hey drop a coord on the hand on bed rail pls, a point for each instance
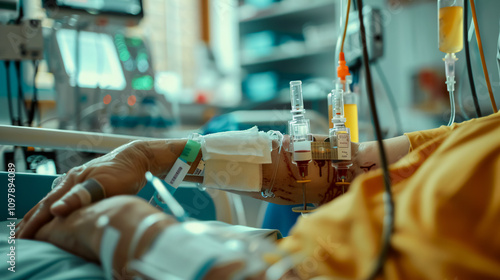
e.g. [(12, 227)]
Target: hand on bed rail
[(119, 172)]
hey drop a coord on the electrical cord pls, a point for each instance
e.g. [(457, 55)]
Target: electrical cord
[(21, 13), (483, 61), (354, 5), (34, 102), (9, 94), (20, 94), (390, 96), (345, 25), (76, 74), (388, 201), (469, 66)]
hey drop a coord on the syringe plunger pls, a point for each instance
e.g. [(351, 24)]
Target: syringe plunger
[(337, 101), (296, 97)]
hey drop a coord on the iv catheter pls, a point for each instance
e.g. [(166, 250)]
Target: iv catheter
[(172, 204), (450, 19), (300, 138)]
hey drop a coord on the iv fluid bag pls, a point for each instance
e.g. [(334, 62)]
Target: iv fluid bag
[(450, 29)]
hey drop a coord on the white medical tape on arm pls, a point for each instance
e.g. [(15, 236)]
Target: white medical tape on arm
[(142, 228), (189, 250), (182, 251), (109, 240)]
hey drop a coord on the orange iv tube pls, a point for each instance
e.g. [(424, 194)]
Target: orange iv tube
[(350, 102)]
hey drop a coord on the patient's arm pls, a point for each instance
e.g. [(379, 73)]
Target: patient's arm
[(80, 234), (122, 172), (322, 174), (368, 157)]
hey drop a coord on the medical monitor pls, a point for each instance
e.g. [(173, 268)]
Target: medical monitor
[(98, 63), (129, 9)]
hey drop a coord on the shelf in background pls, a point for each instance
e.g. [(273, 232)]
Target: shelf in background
[(294, 9), (284, 53)]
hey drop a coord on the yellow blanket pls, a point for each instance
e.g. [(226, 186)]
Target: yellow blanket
[(447, 213)]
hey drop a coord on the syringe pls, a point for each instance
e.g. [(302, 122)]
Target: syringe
[(300, 136), (340, 137)]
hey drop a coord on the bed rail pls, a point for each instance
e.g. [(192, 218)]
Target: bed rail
[(63, 139)]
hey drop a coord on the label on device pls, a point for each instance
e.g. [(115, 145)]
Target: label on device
[(177, 173), (344, 146), (200, 168), (302, 151)]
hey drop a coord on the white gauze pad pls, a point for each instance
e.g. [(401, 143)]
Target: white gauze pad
[(233, 159), (249, 146), (230, 175)]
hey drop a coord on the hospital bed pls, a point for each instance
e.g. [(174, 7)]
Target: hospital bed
[(38, 260)]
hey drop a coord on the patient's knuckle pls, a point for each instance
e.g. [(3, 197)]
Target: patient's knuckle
[(76, 171)]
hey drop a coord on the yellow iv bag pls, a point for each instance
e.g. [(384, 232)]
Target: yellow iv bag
[(450, 28)]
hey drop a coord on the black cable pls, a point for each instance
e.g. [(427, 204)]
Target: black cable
[(9, 94), (392, 99), (388, 202), (21, 105), (21, 13), (34, 102), (20, 96), (467, 57), (355, 5)]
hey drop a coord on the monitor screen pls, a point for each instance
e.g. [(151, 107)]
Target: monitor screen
[(99, 64), (118, 7)]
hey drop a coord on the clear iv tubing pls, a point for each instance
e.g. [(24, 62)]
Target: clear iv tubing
[(341, 27), (449, 61), (452, 108)]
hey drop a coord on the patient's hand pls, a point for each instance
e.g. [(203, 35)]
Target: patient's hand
[(118, 172), (80, 234)]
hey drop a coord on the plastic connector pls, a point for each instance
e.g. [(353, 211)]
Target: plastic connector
[(342, 69), (450, 83), (449, 61)]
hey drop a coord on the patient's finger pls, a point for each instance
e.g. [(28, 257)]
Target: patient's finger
[(40, 214), (79, 196), (39, 218)]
